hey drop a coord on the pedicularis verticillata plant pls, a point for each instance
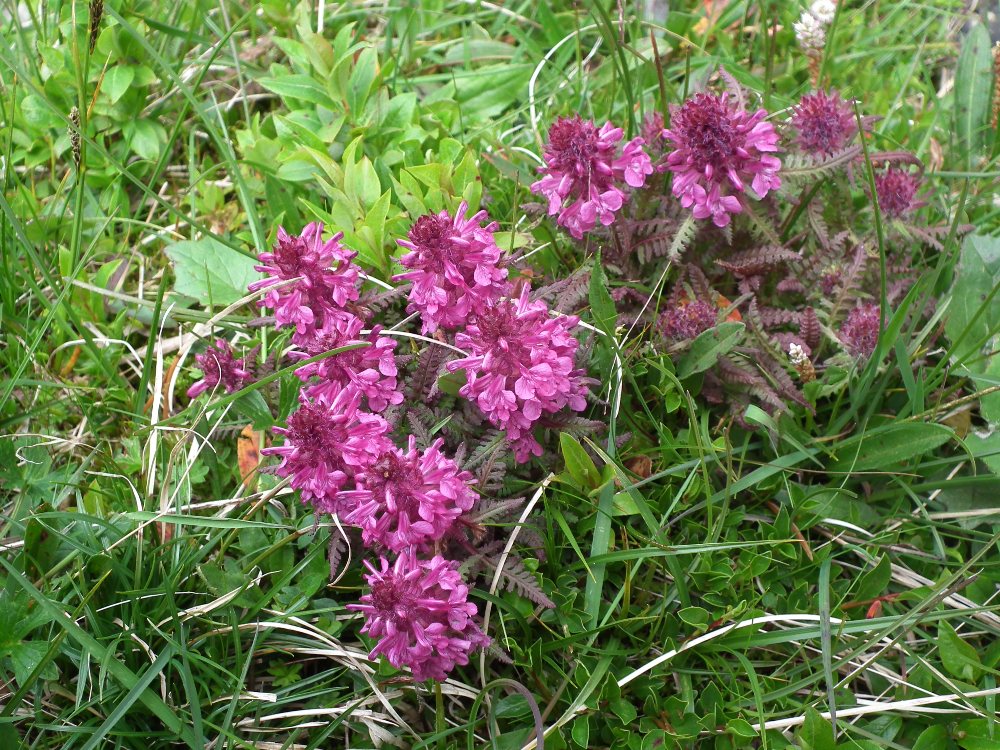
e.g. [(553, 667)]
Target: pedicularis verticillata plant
[(755, 213)]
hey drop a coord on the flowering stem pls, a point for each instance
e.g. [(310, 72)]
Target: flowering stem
[(439, 714)]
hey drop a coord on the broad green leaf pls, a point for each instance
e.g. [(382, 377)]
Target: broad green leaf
[(209, 271), (973, 95), (971, 322), (360, 83), (708, 347), (579, 464), (26, 656), (958, 657), (901, 442), (253, 406), (117, 80), (816, 732), (146, 138), (297, 86), (932, 738), (875, 582)]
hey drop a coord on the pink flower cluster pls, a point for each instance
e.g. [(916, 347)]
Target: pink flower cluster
[(521, 358), (219, 366), (584, 168), (825, 123), (521, 366), (420, 614), (718, 149), (338, 451), (861, 329), (309, 281), (454, 266)]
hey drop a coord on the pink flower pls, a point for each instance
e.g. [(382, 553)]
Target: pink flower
[(581, 166), (220, 367), (520, 367), (897, 190), (455, 272), (325, 445), (825, 123), (325, 280), (370, 369), (861, 329), (718, 149), (415, 497), (419, 612), (687, 320)]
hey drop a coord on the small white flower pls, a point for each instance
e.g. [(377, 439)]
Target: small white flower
[(797, 355), (824, 11), (810, 33)]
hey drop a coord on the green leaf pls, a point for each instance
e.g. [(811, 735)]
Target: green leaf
[(816, 732), (117, 81), (708, 347), (973, 94), (932, 738), (360, 83), (697, 617), (209, 271), (579, 464), (26, 656), (145, 139), (602, 306), (958, 657), (299, 87), (900, 442), (971, 322), (106, 659), (253, 406), (875, 582)]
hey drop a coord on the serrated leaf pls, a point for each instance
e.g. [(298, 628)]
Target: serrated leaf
[(209, 271), (973, 94), (708, 347)]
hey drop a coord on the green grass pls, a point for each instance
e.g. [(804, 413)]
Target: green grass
[(839, 562)]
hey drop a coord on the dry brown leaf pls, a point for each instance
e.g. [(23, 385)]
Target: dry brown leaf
[(248, 456)]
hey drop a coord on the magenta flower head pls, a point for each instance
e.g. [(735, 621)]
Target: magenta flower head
[(718, 149), (415, 497), (418, 610), (897, 192), (325, 445), (454, 268), (371, 369), (825, 123), (687, 320), (521, 366), (219, 366), (319, 277), (860, 331), (582, 166)]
